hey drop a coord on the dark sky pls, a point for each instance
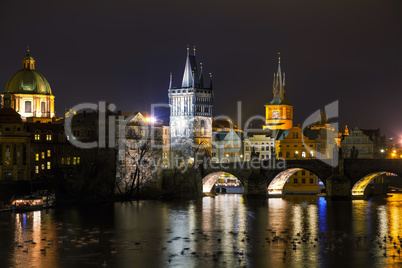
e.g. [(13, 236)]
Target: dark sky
[(123, 51)]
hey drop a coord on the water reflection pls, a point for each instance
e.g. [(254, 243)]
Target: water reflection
[(222, 231)]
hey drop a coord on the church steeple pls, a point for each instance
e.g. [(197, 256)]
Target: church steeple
[(28, 62), (279, 112), (279, 86)]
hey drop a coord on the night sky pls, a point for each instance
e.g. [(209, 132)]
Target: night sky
[(123, 52)]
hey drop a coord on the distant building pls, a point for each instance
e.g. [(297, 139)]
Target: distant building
[(191, 113), (15, 147), (379, 142), (359, 142), (226, 147), (260, 143)]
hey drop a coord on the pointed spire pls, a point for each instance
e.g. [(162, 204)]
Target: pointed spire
[(170, 81), (284, 83), (210, 81), (190, 76), (188, 73), (279, 84), (201, 77)]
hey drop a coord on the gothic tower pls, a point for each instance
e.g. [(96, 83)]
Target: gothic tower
[(279, 112), (191, 113)]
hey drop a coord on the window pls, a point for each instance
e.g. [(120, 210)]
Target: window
[(68, 161), (48, 165), (49, 153), (62, 160), (303, 172), (303, 180), (49, 137), (43, 155), (37, 137), (36, 169), (43, 166), (303, 154), (28, 108), (74, 160), (42, 107), (280, 154), (311, 173), (36, 157), (311, 154), (78, 160), (311, 181), (294, 180), (287, 154)]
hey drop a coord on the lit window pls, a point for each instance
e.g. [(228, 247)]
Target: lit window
[(62, 160), (49, 154), (36, 169), (43, 166), (74, 160), (303, 154), (48, 137), (48, 165), (43, 155), (28, 107), (37, 157), (68, 161), (37, 137), (78, 160)]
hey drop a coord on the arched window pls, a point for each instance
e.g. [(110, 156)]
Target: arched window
[(287, 154), (43, 107), (303, 154)]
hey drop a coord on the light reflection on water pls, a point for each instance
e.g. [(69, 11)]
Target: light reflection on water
[(222, 231)]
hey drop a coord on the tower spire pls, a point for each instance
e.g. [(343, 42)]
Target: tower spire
[(210, 81), (201, 77), (170, 81)]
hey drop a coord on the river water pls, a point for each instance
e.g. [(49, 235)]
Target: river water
[(221, 231)]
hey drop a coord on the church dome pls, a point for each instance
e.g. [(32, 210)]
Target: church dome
[(28, 80)]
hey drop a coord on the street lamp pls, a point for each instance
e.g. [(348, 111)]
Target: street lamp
[(382, 153), (297, 152)]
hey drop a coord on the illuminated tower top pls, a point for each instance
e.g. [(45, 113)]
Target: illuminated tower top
[(279, 112)]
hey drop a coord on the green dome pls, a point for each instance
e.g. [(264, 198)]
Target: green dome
[(28, 81), (28, 57)]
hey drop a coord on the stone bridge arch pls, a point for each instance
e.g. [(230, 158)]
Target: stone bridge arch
[(211, 175), (276, 178)]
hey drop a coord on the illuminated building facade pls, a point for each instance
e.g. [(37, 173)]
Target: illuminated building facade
[(357, 140), (30, 93), (191, 113), (226, 147), (259, 143), (15, 146)]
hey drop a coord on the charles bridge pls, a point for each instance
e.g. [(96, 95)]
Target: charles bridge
[(349, 177)]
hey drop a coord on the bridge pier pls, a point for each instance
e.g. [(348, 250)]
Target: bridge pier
[(338, 187), (255, 186)]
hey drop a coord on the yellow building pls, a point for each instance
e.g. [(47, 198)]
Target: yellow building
[(292, 145), (30, 93)]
